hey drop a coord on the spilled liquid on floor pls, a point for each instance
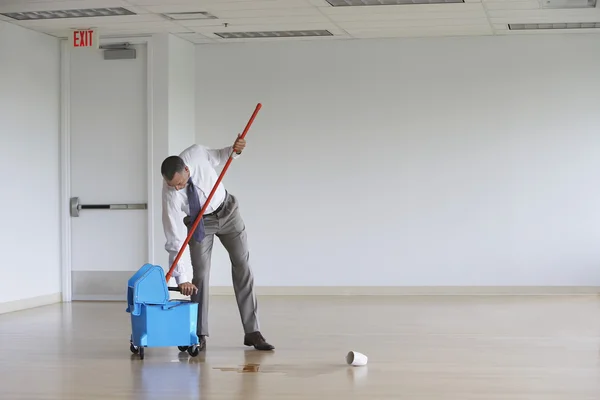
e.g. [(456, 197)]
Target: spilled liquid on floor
[(243, 369), (290, 370)]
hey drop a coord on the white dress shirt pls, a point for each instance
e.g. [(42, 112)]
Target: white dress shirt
[(201, 161)]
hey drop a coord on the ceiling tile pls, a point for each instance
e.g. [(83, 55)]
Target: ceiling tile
[(237, 9), (319, 3), (478, 12), (232, 23), (400, 10), (552, 13), (168, 8), (182, 2), (423, 32), (269, 27), (415, 23), (512, 5), (224, 4), (194, 38), (521, 16), (256, 5), (269, 12)]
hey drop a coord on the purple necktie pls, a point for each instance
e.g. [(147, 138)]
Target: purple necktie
[(194, 201)]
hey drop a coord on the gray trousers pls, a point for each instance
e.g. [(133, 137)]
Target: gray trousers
[(228, 225)]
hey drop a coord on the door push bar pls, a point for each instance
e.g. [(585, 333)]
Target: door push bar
[(76, 206)]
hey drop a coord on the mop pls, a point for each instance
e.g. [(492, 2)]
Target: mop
[(212, 192)]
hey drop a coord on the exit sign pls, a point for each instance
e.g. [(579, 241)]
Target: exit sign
[(84, 38)]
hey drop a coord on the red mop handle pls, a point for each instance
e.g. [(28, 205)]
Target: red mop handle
[(212, 192)]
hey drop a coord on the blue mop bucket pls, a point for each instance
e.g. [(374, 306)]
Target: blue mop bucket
[(157, 321)]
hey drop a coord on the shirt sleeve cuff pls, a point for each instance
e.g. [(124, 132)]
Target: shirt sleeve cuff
[(181, 279)]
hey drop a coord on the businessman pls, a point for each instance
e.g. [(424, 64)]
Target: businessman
[(187, 182)]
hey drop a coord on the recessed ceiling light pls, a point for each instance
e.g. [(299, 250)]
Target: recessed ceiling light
[(76, 13), (189, 15), (559, 25), (272, 34), (362, 3)]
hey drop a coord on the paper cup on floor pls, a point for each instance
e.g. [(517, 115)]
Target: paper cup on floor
[(356, 359)]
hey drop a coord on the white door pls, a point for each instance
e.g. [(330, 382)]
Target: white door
[(108, 166)]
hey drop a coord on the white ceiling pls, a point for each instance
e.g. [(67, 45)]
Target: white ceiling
[(474, 17)]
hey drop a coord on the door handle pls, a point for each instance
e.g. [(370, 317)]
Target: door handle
[(76, 206)]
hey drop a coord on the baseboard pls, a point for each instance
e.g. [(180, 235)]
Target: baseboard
[(383, 291), (99, 297), (112, 286), (412, 290), (32, 302)]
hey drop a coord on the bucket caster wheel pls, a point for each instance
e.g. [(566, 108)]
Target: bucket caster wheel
[(193, 351), (183, 348), (141, 352), (134, 349)]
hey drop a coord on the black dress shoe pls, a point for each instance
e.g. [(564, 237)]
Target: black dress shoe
[(258, 341)]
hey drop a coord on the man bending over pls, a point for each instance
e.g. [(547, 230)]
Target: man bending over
[(188, 181)]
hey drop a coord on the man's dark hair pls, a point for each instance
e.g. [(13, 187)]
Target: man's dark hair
[(171, 166)]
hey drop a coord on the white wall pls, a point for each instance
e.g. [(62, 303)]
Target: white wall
[(459, 161), (29, 159), (182, 94)]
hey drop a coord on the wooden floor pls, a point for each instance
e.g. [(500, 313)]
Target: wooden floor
[(419, 348)]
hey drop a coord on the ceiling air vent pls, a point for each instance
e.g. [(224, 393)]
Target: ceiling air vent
[(189, 15), (573, 25), (272, 34), (362, 3), (77, 13)]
